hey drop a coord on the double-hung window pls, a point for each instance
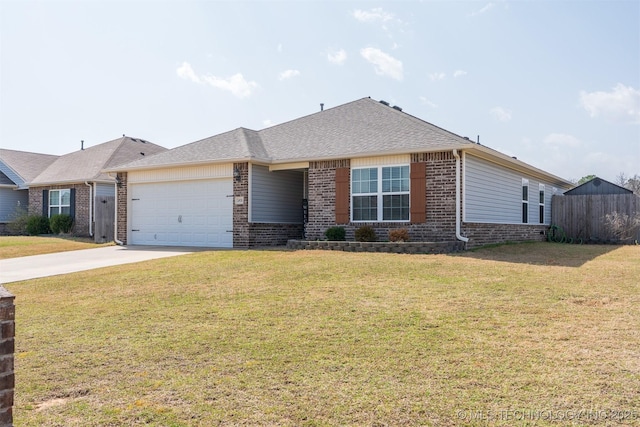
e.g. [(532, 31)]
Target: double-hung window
[(541, 203), (59, 202), (380, 193), (525, 201)]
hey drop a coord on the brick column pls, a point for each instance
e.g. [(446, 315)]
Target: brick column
[(7, 347), (121, 200)]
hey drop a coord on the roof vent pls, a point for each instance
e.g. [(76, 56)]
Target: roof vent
[(142, 153), (597, 182), (395, 107), (321, 106), (384, 102)]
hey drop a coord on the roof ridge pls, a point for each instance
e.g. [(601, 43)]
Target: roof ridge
[(113, 153)]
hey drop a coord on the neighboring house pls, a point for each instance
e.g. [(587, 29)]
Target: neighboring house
[(361, 163), (74, 184), (16, 169), (597, 186)]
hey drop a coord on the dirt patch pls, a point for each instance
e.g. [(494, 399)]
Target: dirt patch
[(50, 403)]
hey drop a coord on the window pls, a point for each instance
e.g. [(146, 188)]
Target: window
[(59, 202), (525, 201), (380, 193), (541, 203)]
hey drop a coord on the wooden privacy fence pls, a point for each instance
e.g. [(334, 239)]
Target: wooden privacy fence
[(105, 217), (583, 216)]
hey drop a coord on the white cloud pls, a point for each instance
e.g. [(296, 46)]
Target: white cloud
[(373, 15), (485, 9), (287, 74), (186, 72), (621, 105), (459, 73), (337, 57), (235, 84), (279, 47), (500, 114), (562, 140), (437, 76), (425, 101), (384, 63)]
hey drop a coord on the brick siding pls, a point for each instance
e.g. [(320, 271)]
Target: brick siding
[(121, 203), (439, 192), (484, 234), (81, 219), (7, 348)]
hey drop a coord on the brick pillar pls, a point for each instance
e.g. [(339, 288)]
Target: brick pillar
[(241, 211), (7, 346), (122, 193)]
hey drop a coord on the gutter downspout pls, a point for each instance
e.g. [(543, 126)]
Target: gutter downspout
[(91, 215), (115, 216), (458, 235)]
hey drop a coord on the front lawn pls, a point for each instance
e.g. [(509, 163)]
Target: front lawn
[(19, 246), (509, 335)]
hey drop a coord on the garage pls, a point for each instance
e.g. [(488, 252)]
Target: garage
[(182, 213)]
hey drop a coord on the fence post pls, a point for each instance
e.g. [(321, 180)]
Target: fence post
[(7, 348)]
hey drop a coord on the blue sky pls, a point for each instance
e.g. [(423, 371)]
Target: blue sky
[(555, 83)]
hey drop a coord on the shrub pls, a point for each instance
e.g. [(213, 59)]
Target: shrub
[(37, 224), (365, 233), (620, 227), (18, 221), (335, 233), (399, 235), (60, 223)]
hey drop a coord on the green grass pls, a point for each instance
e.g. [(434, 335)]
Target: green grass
[(321, 338), (19, 246)]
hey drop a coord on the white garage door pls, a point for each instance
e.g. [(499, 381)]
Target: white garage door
[(183, 213)]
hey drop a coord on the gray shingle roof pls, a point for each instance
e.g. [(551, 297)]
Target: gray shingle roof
[(26, 165), (87, 164), (360, 128)]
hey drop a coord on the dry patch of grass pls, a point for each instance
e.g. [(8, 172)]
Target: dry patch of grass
[(19, 246), (321, 338)]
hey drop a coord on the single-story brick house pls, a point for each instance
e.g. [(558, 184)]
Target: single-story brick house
[(361, 163), (74, 184), (16, 169)]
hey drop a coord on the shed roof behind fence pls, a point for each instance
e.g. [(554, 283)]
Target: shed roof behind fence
[(597, 186)]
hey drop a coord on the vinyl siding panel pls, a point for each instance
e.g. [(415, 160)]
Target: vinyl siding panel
[(182, 173), (9, 201), (381, 161), (11, 174), (276, 197), (493, 194)]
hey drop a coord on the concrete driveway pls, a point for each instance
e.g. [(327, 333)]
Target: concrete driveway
[(32, 267)]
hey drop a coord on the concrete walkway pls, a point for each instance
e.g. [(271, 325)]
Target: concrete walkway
[(33, 267)]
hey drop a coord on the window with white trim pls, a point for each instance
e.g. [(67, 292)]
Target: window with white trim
[(59, 202), (525, 201), (541, 203), (380, 193)]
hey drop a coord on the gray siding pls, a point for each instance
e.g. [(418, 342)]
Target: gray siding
[(9, 200), (493, 194), (11, 174), (276, 197), (105, 190)]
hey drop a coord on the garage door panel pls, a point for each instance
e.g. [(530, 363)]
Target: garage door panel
[(189, 213)]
